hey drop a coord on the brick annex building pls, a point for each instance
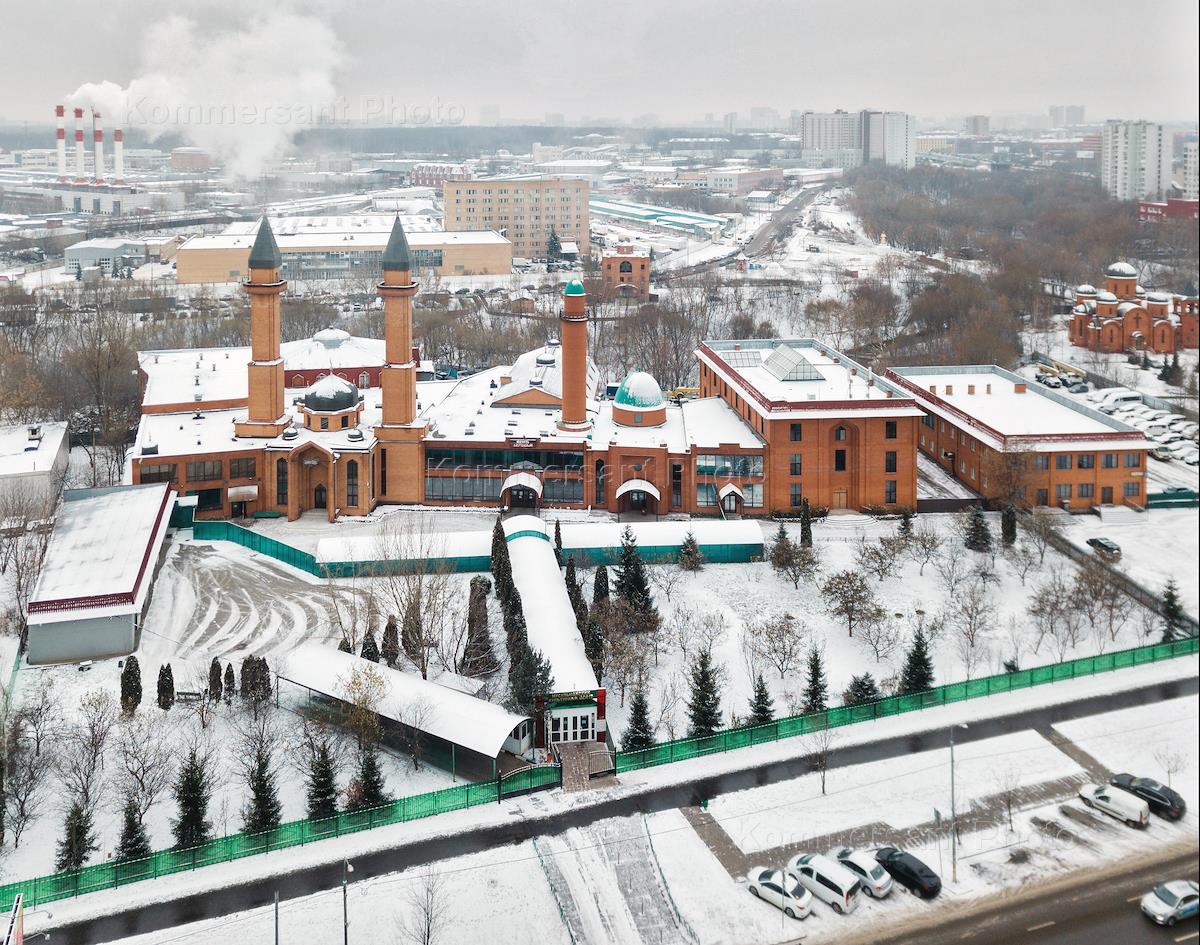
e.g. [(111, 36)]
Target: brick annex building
[(1124, 317)]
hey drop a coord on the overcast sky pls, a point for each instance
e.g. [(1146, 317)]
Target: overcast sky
[(678, 59)]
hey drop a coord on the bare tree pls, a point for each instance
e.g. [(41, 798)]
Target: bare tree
[(145, 749), (363, 690), (878, 634), (880, 556), (1022, 558), (427, 909), (26, 760), (953, 569), (670, 698), (1008, 789), (819, 747), (80, 756), (923, 546), (848, 596), (691, 631), (1042, 527), (25, 527), (800, 564), (352, 607), (414, 715), (1171, 760), (780, 640), (666, 578)]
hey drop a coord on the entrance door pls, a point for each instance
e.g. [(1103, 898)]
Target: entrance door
[(237, 509), (519, 497), (637, 501), (1106, 495), (729, 503), (839, 498), (320, 497)]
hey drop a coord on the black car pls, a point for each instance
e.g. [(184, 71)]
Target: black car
[(909, 872), (1162, 800)]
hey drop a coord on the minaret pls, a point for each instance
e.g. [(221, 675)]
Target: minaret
[(400, 432), (265, 415), (573, 328)]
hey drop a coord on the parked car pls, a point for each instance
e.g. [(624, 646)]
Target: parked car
[(1169, 902), (826, 879), (1049, 380), (1159, 452), (1080, 388), (909, 872), (1162, 800), (1105, 548), (780, 890), (874, 879), (1116, 803)]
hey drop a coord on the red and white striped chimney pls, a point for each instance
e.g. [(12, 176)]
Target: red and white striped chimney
[(118, 156), (60, 113), (98, 146), (79, 172)]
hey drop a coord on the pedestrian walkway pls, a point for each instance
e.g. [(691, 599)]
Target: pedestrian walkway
[(584, 764), (1098, 772)]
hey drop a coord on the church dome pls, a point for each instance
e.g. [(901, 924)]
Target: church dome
[(1121, 270), (639, 390), (331, 394), (331, 337)]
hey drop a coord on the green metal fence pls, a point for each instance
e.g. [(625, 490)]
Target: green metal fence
[(1183, 499), (683, 748), (227, 531), (295, 833)]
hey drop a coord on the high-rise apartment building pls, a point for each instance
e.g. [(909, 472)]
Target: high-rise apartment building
[(524, 209), (977, 125), (1066, 116), (879, 136), (1135, 162), (1191, 187)]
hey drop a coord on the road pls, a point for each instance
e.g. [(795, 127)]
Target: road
[(683, 793), (1078, 910)]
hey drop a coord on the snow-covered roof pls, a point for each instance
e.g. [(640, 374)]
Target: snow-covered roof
[(711, 422), (444, 712), (21, 452), (549, 616), (1106, 297), (1121, 270), (1086, 289), (639, 389), (541, 369), (101, 554)]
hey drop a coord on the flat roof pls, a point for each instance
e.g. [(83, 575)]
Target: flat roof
[(21, 453), (361, 231)]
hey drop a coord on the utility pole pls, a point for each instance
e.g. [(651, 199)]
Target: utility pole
[(276, 917), (953, 812), (346, 870)]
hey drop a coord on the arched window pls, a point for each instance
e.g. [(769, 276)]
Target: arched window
[(364, 379), (281, 482), (839, 434), (352, 483), (626, 266)]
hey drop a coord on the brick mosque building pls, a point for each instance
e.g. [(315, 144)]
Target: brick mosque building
[(1124, 317)]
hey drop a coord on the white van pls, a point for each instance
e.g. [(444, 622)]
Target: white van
[(828, 880), (1122, 395)]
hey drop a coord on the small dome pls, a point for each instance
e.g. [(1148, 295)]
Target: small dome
[(1121, 270), (574, 287), (1158, 297), (1106, 297), (331, 337), (639, 390), (1085, 289), (331, 394)]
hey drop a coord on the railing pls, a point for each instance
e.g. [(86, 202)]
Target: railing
[(295, 833), (226, 531), (683, 748)]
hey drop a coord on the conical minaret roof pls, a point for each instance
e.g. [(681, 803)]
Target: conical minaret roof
[(397, 256), (264, 254)]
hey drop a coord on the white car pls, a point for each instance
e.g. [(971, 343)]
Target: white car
[(1116, 803), (875, 880), (826, 879), (781, 890), (1167, 903)]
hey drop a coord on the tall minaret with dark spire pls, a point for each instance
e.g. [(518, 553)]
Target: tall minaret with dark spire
[(265, 414), (400, 432)]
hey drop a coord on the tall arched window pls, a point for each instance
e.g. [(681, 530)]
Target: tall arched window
[(627, 267), (839, 434), (364, 379), (352, 483), (281, 482)]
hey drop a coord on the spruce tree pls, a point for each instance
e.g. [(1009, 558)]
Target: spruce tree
[(861, 689), (514, 629), (78, 841), (263, 810), (479, 659), (166, 686), (1172, 613), (558, 548), (906, 523), (600, 585), (321, 787), (369, 649), (134, 843), (704, 702), (1008, 524), (690, 557), (762, 706), (389, 648), (501, 565), (633, 586), (575, 595), (805, 524), (131, 685), (1012, 666), (816, 687), (216, 682), (917, 675), (192, 795), (371, 790), (530, 682), (979, 535), (230, 684), (343, 645), (639, 733), (781, 547), (593, 640)]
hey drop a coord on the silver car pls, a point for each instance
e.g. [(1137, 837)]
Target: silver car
[(1167, 903), (780, 890), (875, 880)]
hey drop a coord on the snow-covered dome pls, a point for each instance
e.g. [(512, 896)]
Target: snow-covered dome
[(331, 394), (1106, 297), (331, 337), (1085, 289), (639, 389), (1121, 270), (1158, 297)]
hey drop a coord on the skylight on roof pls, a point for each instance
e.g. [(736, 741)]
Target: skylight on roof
[(741, 358), (788, 364)]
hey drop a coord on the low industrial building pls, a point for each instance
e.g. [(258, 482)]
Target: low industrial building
[(33, 464)]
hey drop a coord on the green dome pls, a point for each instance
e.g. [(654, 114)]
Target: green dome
[(639, 391), (574, 287)]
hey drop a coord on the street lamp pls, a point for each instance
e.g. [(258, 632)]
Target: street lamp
[(953, 814), (347, 869)]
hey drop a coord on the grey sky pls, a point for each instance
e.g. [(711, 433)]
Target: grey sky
[(676, 59)]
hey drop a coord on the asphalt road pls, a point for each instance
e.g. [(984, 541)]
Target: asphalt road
[(1083, 910), (256, 893)]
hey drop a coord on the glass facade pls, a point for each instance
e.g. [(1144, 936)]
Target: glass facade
[(501, 459), (720, 464)]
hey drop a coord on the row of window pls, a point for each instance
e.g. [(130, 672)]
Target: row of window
[(796, 493), (502, 459), (243, 467), (891, 430), (1087, 461), (731, 464)]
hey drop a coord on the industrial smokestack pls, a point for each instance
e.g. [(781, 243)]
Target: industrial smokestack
[(60, 113), (574, 357), (98, 146), (118, 156), (79, 178)]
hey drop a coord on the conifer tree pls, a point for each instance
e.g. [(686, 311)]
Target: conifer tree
[(343, 645), (917, 675), (762, 706), (639, 733), (783, 550), (979, 535), (553, 245), (633, 586), (501, 565), (78, 841), (412, 635), (861, 689), (575, 595), (230, 685), (131, 685), (216, 683), (369, 649), (321, 786), (593, 640), (600, 585), (166, 686), (805, 524), (1012, 666), (816, 687), (690, 556), (558, 548), (263, 810), (906, 523), (264, 679), (390, 648), (479, 659), (134, 843), (1172, 613), (704, 701), (193, 792), (370, 789), (1008, 524), (514, 628), (531, 681)]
